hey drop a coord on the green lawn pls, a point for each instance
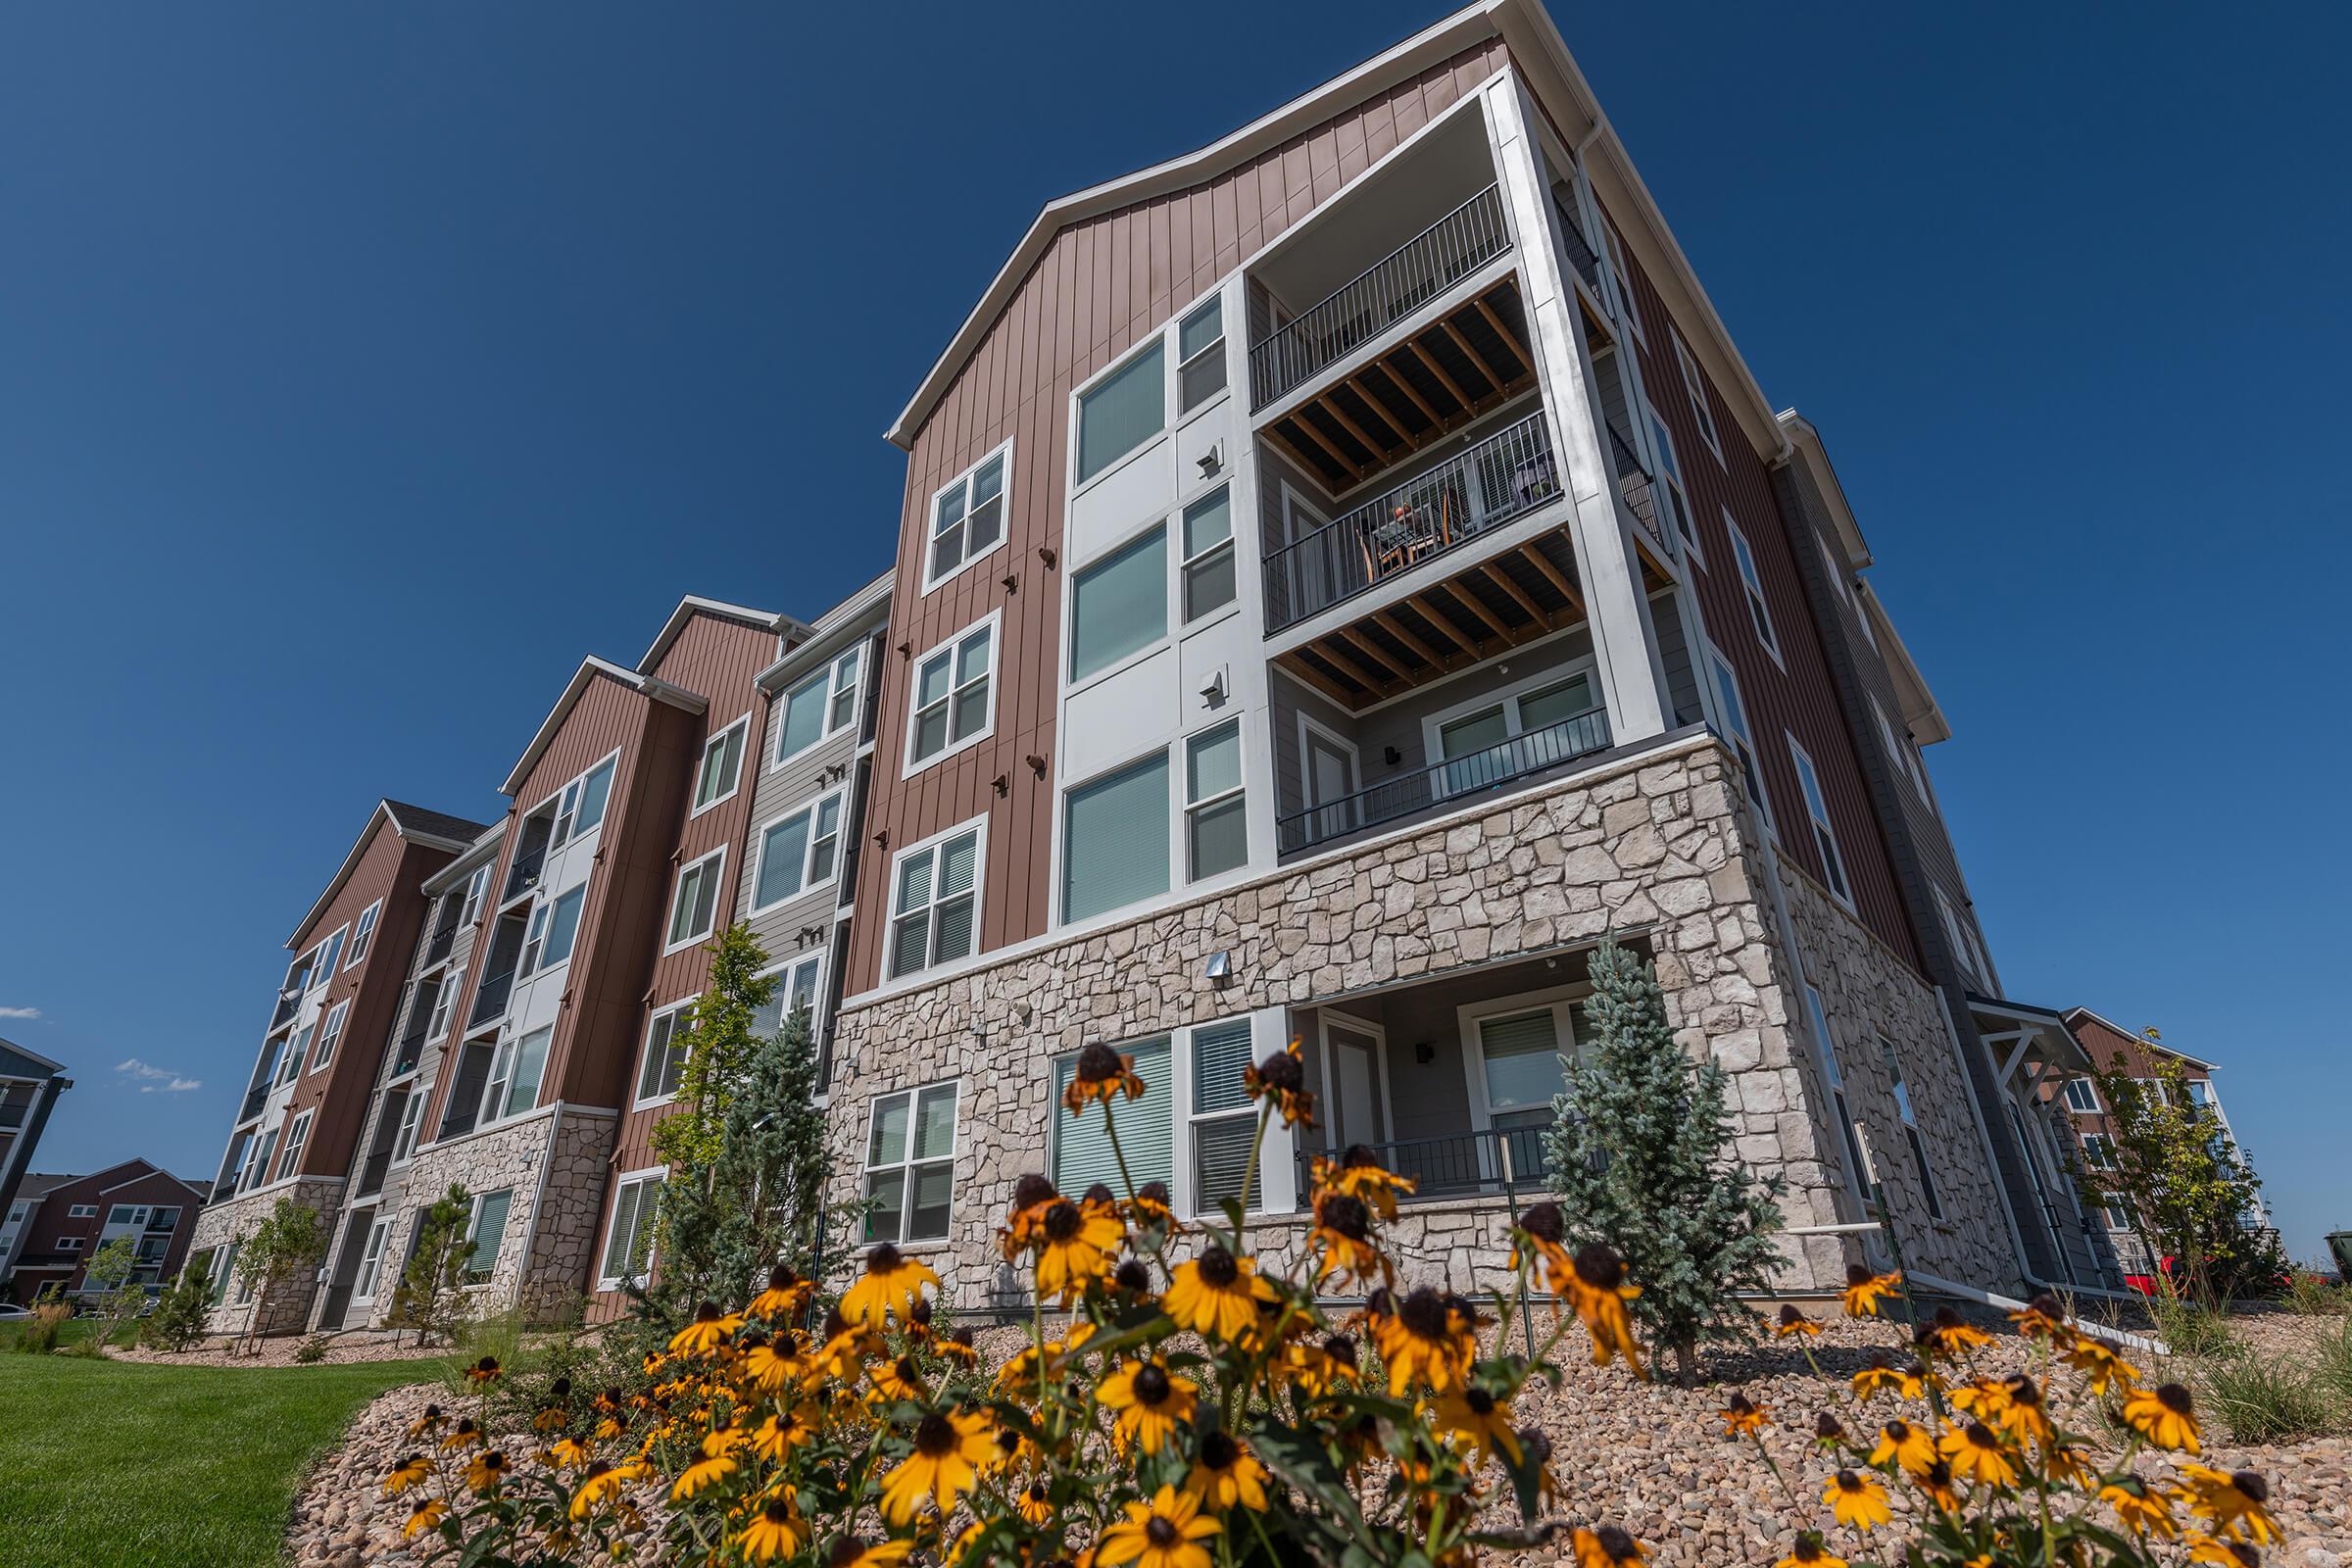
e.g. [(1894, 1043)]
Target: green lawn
[(164, 1466)]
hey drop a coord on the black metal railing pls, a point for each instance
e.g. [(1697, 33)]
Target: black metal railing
[(491, 999), (1502, 478), (1453, 782), (445, 931), (1634, 482), (1580, 254), (286, 1004), (1488, 1162), (524, 875), (255, 1097), (1379, 297)]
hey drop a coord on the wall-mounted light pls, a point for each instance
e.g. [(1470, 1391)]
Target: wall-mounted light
[(1045, 552), (1391, 755), (1213, 459), (1037, 764), (1213, 693), (1003, 783), (1023, 1014), (1012, 583), (1424, 1052)]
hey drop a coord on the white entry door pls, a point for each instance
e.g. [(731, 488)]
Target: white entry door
[(1354, 1100)]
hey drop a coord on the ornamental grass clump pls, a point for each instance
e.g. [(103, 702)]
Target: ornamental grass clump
[(1179, 1403)]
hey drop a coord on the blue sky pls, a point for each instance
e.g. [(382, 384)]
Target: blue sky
[(362, 367)]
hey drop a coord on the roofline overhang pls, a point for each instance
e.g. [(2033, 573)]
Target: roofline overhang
[(1804, 445), (2141, 1040), (351, 861), (480, 851), (1922, 715), (33, 1055), (590, 668), (832, 634), (692, 604), (2049, 1022)]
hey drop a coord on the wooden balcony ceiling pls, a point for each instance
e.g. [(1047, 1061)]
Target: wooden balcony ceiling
[(1430, 383), (1449, 622)]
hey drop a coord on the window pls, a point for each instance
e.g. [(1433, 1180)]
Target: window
[(71, 1243), (487, 1230), (328, 951), (404, 1142), (582, 808), (82, 1212), (1735, 717), (299, 1053), (798, 853), (258, 1166), (2098, 1151), (967, 517), (362, 935), (2081, 1097), (954, 696), (372, 1262), (1223, 1125), (722, 766), (330, 1035), (445, 1004), (1082, 1154), (1330, 780), (1119, 605), (1122, 411), (796, 991), (297, 1135), (1625, 280), (1835, 571), (555, 926), (223, 1269), (934, 898), (664, 1056), (515, 1074), (1216, 829), (910, 1165), (822, 704), (477, 888), (1953, 935), (1115, 841), (1497, 738), (124, 1214), (1200, 356), (1208, 554), (629, 1242), (1819, 1017), (1919, 1148), (1697, 386), (1894, 751), (2200, 1093), (1516, 1052), (1678, 494), (1825, 838), (695, 906), (1758, 613), (166, 1218)]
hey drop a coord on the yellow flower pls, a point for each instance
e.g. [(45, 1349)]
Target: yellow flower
[(465, 1435), (786, 1295), (701, 1475), (770, 1370), (1318, 1368), (2163, 1416), (427, 1423), (1479, 1416), (2237, 1505), (1935, 1485), (1283, 1075), (779, 1434), (1906, 1444), (1948, 1334), (1809, 1552), (410, 1472), (1607, 1547), (567, 1453), (483, 1372), (1343, 1231), (2102, 1368), (1598, 1290), (601, 1484), (424, 1516), (1428, 1338), (1035, 1503), (1794, 1322), (1976, 1453), (487, 1471), (1864, 1291), (2043, 1318), (1216, 1295), (892, 1283), (899, 1380), (1165, 1533), (1227, 1476), (1741, 1417), (851, 1553), (710, 1327), (2224, 1553), (1358, 1174), (1100, 1074), (2139, 1506), (1075, 1248), (958, 1348), (1858, 1501), (949, 1451), (1150, 1403), (1884, 1375), (777, 1530)]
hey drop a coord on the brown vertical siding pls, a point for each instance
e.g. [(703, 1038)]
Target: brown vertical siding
[(1103, 285), (135, 1181)]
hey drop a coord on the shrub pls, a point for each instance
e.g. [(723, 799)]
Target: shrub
[(2263, 1399), (2332, 1364), (2310, 1294), (312, 1350), (2188, 1329), (44, 1330), (180, 1315)]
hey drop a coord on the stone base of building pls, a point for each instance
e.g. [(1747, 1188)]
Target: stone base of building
[(285, 1307)]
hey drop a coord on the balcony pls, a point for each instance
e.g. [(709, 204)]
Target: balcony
[(529, 862), (491, 1000), (445, 929), (1458, 781), (255, 1098)]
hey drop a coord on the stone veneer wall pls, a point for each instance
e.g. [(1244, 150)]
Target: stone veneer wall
[(1662, 843), (286, 1310)]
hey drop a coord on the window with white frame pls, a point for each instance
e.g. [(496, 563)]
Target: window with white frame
[(1216, 829), (955, 701), (1625, 280), (664, 1064), (798, 851), (371, 1262), (1894, 751), (1734, 716), (581, 810), (329, 951), (71, 1243), (330, 1035), (1122, 411), (1919, 1146), (362, 935), (2081, 1097), (125, 1214), (910, 1164), (477, 888), (1695, 384), (1512, 1048), (486, 1229), (1221, 1125), (298, 1132), (1207, 568), (1918, 771), (82, 1212), (820, 705), (967, 517), (630, 1239), (263, 1151), (1678, 493), (297, 1054), (1835, 571), (797, 991), (1751, 584), (1082, 1154), (695, 907), (1119, 605), (935, 902), (515, 1074), (1114, 838), (1825, 837), (555, 927), (412, 1119), (1842, 1112), (722, 768), (1201, 355), (1534, 724), (444, 1006), (1953, 935)]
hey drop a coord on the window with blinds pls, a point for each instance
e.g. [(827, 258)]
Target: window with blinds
[(489, 1229), (1082, 1152), (933, 899), (1224, 1120), (1119, 605), (1115, 848), (628, 1243), (1122, 411)]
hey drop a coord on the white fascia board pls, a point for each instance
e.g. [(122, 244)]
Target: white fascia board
[(1805, 444), (694, 604), (1922, 715), (855, 618), (590, 668), (2141, 1040)]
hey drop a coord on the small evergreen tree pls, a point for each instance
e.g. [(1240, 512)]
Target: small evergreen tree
[(1640, 1153), (426, 1296), (289, 1240), (180, 1315)]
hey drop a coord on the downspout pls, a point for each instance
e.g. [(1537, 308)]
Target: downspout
[(547, 1166)]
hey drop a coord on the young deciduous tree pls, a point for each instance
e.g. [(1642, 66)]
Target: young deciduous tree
[(1640, 1152), (112, 1272), (289, 1240), (425, 1298)]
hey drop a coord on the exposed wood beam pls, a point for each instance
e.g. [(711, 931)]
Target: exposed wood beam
[(1398, 630), (1320, 439), (1396, 379), (1380, 411), (1379, 450), (1439, 371), (1443, 624), (1371, 650), (1501, 579), (1552, 574), (1475, 358), (1291, 449), (1510, 340), (1293, 664), (1478, 607)]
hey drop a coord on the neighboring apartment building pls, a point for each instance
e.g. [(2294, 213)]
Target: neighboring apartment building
[(310, 1086), (58, 1223), (30, 1085), (1344, 571), (2138, 1056)]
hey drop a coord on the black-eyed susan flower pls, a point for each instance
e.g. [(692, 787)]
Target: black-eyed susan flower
[(2043, 1318), (1226, 1475), (1164, 1533), (1599, 1290), (2139, 1507), (786, 1296), (601, 1484), (426, 1515), (1075, 1248), (1947, 1333), (958, 1347), (2224, 1553), (1864, 1291), (1216, 1294), (1344, 1232), (1809, 1552), (1609, 1546), (484, 1371), (2235, 1504), (711, 1327), (781, 1432), (770, 1369), (2023, 1414), (568, 1453), (701, 1475), (774, 1530), (1424, 1338), (1150, 1402), (1857, 1502), (1100, 1074), (1035, 1502), (1882, 1376), (1359, 1173), (1742, 1417), (1828, 1432), (851, 1552), (1976, 1453), (467, 1433), (949, 1451), (1475, 1415), (1935, 1484), (2165, 1415), (2100, 1368), (430, 1422), (487, 1471), (1153, 1209), (412, 1471), (892, 1283), (1985, 1398), (1283, 1077), (1792, 1321), (1906, 1446), (900, 1379)]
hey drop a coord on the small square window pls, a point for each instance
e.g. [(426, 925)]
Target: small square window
[(1209, 581), (933, 902), (695, 908), (1216, 827), (967, 517), (910, 1165), (953, 697), (1201, 355), (722, 766)]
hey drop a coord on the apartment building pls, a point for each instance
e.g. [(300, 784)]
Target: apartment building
[(2092, 1129), (1344, 571), (29, 1084), (56, 1224)]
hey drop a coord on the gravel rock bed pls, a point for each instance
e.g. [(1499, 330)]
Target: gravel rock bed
[(278, 1350)]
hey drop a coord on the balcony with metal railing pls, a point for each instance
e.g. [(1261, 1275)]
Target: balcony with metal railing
[(491, 1000), (1451, 784)]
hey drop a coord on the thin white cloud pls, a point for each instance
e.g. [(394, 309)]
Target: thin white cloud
[(153, 1079), (20, 1012)]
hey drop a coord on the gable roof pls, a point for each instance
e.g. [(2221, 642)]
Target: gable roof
[(17, 1062), (2073, 1014), (437, 829), (694, 604), (37, 1185), (592, 669), (854, 618)]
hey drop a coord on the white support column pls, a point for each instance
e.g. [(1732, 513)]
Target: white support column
[(1624, 643)]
